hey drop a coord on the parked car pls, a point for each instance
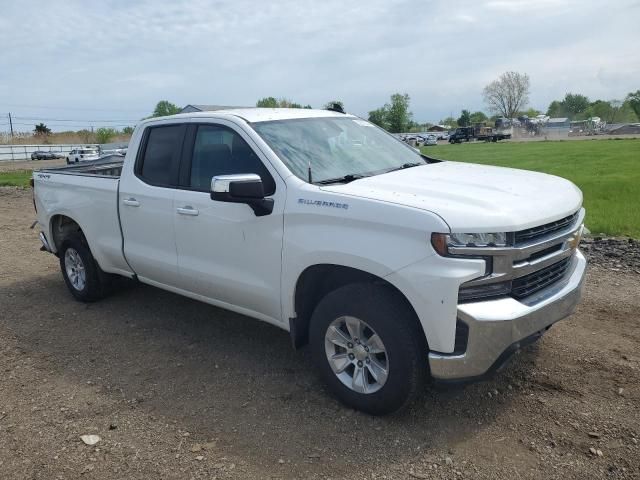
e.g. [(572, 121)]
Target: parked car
[(82, 154), (42, 155), (429, 140), (392, 266)]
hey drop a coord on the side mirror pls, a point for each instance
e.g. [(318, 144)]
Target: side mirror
[(242, 188)]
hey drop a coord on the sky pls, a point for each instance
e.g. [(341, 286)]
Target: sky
[(77, 63)]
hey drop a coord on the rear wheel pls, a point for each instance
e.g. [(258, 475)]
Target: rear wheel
[(84, 278), (368, 346)]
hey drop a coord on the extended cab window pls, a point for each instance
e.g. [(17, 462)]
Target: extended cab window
[(161, 154), (218, 150)]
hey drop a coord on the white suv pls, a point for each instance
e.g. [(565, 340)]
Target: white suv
[(82, 154)]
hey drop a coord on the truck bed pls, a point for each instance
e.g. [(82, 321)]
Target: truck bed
[(109, 166), (87, 193)]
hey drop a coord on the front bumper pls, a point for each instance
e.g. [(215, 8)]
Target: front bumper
[(498, 328)]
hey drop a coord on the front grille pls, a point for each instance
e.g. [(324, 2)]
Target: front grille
[(542, 230), (529, 284)]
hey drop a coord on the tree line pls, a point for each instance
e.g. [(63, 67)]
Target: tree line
[(576, 106), (507, 96)]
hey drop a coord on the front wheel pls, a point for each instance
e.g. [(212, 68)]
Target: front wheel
[(369, 348)]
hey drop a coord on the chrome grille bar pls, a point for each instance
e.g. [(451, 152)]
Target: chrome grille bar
[(537, 232), (533, 264)]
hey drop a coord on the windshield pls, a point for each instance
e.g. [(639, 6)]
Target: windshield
[(335, 147)]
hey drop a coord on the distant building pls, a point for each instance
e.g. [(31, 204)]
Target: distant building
[(206, 108), (438, 128), (560, 122)]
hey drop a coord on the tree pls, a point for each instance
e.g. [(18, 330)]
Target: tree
[(379, 117), (574, 104), (602, 109), (478, 117), (267, 102), (531, 112), (465, 118), (398, 114), (164, 108), (633, 99), (104, 135), (556, 109), (449, 122), (508, 94), (127, 130), (272, 102), (42, 129), (334, 105)]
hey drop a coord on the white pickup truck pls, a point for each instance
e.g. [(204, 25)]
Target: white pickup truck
[(394, 267)]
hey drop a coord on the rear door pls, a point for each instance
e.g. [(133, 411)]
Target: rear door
[(145, 203), (225, 252)]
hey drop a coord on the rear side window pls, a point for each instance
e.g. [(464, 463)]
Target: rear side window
[(161, 154)]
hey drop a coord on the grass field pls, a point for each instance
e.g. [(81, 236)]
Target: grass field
[(607, 172), (17, 178)]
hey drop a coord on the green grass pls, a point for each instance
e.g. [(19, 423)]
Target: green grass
[(18, 178), (607, 172)]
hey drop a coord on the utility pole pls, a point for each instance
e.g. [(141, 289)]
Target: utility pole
[(10, 124)]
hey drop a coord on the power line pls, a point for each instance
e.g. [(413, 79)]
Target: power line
[(74, 120), (71, 125), (68, 127), (71, 108)]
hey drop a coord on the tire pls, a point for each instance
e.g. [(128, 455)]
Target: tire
[(84, 278), (385, 314)]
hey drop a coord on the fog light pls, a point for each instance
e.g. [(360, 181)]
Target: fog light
[(466, 294)]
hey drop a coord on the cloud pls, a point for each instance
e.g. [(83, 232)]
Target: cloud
[(125, 55)]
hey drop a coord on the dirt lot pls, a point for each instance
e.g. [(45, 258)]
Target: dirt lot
[(31, 164), (179, 389)]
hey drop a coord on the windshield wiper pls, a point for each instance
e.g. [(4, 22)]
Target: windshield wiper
[(403, 166), (350, 177)]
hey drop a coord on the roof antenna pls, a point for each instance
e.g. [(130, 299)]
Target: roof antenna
[(309, 173)]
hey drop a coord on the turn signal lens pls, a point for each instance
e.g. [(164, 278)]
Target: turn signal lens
[(439, 243)]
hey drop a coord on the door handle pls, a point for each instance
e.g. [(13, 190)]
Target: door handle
[(132, 202), (187, 210)]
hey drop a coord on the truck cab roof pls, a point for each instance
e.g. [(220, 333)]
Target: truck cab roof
[(254, 115)]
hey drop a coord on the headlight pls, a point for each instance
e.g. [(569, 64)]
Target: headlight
[(442, 241), (478, 239)]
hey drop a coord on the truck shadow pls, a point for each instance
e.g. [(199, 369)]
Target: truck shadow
[(222, 375)]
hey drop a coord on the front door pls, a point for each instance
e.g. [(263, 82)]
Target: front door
[(225, 252)]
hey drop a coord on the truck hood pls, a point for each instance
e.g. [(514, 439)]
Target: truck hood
[(473, 198)]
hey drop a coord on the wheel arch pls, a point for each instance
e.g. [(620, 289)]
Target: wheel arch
[(316, 281), (62, 226)]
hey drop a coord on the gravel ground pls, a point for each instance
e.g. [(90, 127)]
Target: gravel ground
[(178, 389), (615, 254)]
